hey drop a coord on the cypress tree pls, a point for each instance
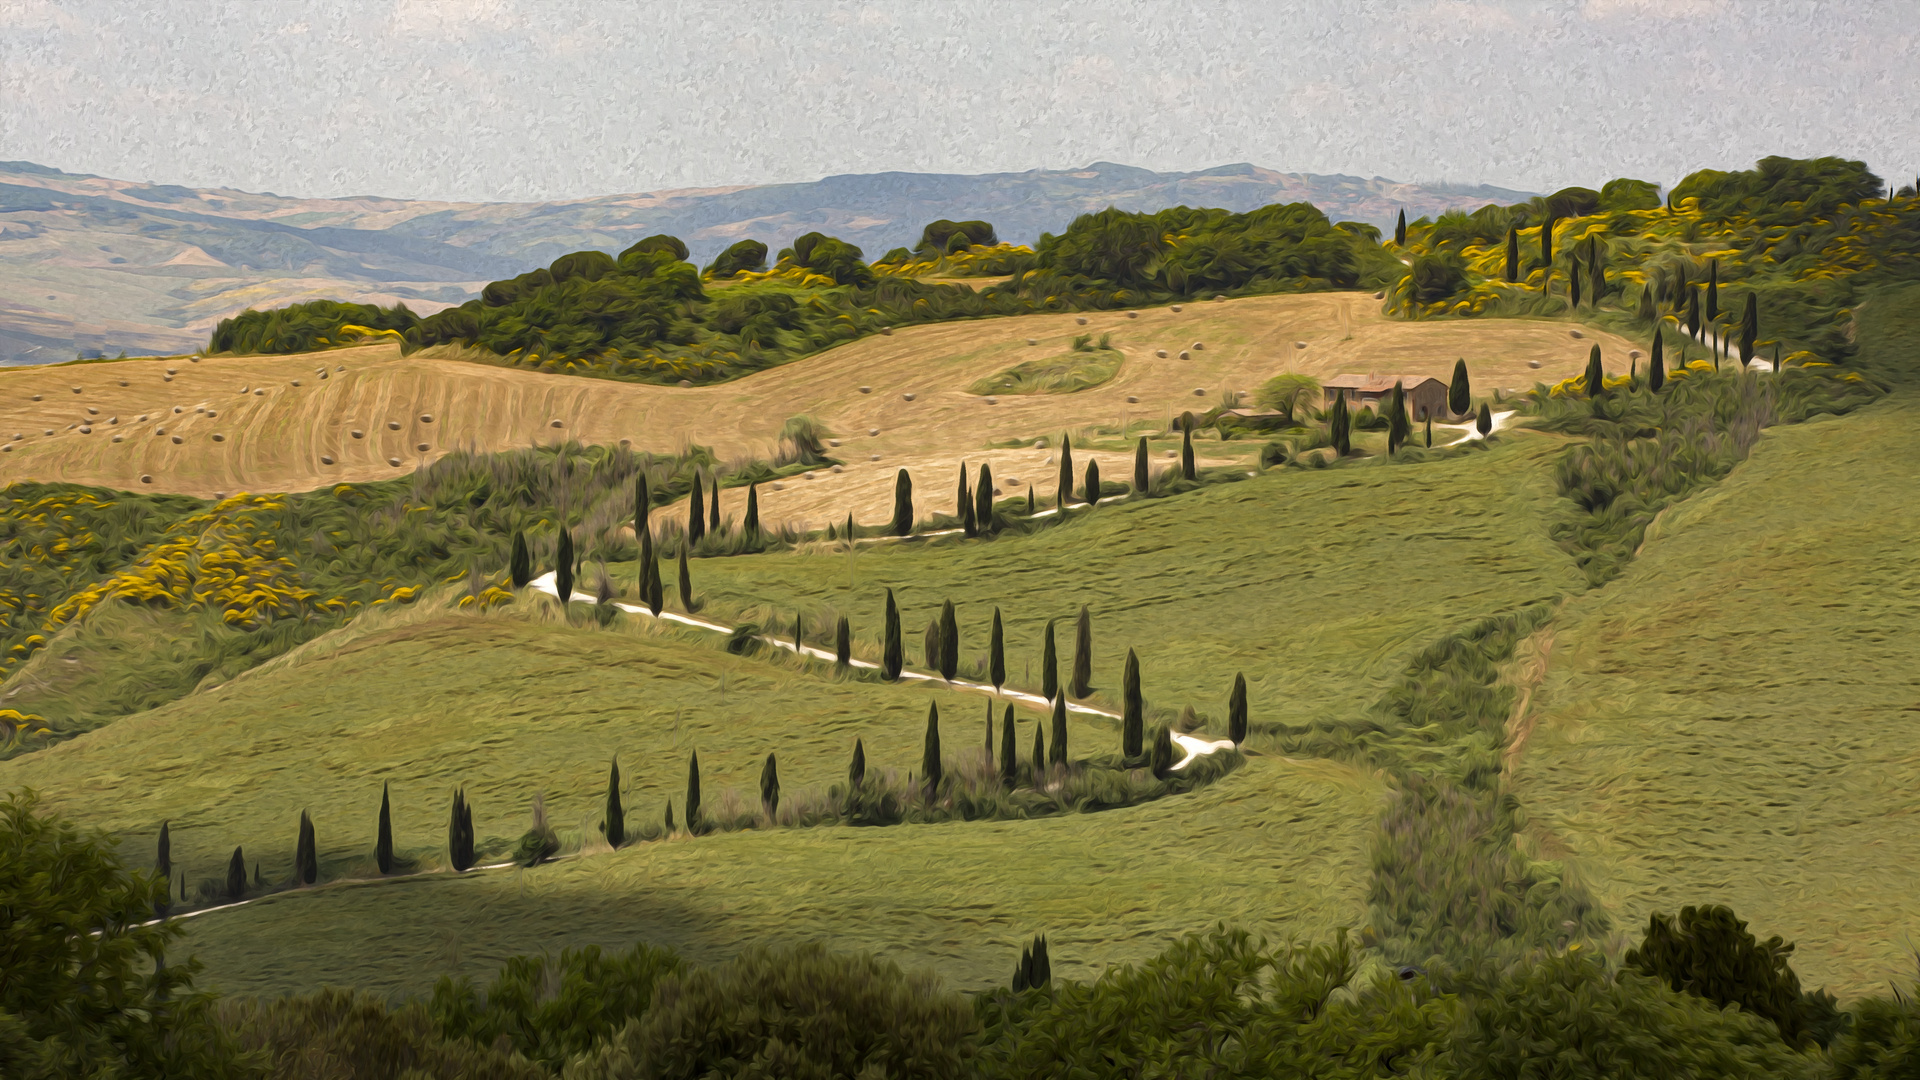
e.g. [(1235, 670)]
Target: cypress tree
[(989, 733), (1186, 452), (1082, 684), (799, 632), (1776, 358), (1656, 364), (520, 565), (1713, 290), (891, 657), (1008, 763), (163, 869), (1049, 666), (752, 524), (693, 792), (615, 824), (236, 876), (1400, 229), (642, 504), (669, 821), (930, 642), (1133, 713), (963, 505), (1546, 244), (1460, 390), (996, 654), (949, 642), (930, 755), (983, 517), (857, 771), (1023, 971), (1397, 426), (306, 861), (686, 582), (1065, 494), (1596, 376), (1693, 313), (713, 505), (1039, 755), (651, 591), (902, 504), (460, 832), (1140, 473), (1042, 975), (1681, 290), (1057, 753), (1237, 710), (770, 787), (383, 835), (696, 512), (1030, 503), (1749, 328), (1513, 253), (1573, 279), (1646, 313), (1339, 431), (1429, 432), (563, 567), (1092, 486), (842, 642), (849, 529), (1162, 760), (1484, 425)]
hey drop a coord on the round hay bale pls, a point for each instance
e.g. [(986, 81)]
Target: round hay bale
[(123, 382), (1633, 354), (1380, 295), (1217, 297), (143, 418), (342, 367), (259, 393), (1198, 345), (833, 442), (873, 431), (199, 408), (1030, 341), (177, 440), (113, 420), (85, 429), (1132, 400), (394, 461), (178, 409), (422, 447), (323, 374), (91, 411), (36, 397), (866, 389), (886, 331), (1133, 314), (806, 476), (394, 425), (117, 438), (211, 413), (1161, 353), (1081, 320), (555, 424), (1171, 453), (426, 418), (779, 486), (193, 359), (166, 378), (1039, 444), (358, 434), (1185, 355), (993, 401), (624, 443), (326, 459), (873, 457), (1199, 391), (907, 396), (1299, 344), (217, 437), (996, 493), (156, 431), (145, 479), (173, 371), (836, 468), (7, 449), (296, 382), (1575, 334), (686, 383), (1176, 307), (1533, 363), (49, 431)]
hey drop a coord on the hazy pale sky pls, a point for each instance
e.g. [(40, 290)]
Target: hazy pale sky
[(546, 99)]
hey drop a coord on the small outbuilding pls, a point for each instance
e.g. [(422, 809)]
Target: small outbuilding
[(1426, 395)]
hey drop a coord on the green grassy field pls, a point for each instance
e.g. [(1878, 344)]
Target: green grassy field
[(1733, 720)]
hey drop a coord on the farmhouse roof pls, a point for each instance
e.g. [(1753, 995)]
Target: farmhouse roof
[(1250, 414), (1375, 384)]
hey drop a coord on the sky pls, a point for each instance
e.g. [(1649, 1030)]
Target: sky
[(529, 100)]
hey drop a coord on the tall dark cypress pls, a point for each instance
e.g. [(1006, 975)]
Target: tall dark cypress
[(1484, 424), (686, 582), (163, 869), (1009, 763), (949, 642), (1057, 752), (930, 753), (857, 771), (1398, 427), (1162, 758), (902, 504), (563, 565), (752, 524), (1065, 494), (1082, 684), (891, 656), (1460, 390), (1339, 431), (383, 835), (989, 733), (1656, 364), (1596, 377), (1646, 313), (1092, 486), (642, 504), (460, 832), (1237, 710), (770, 788), (1039, 754), (1049, 666), (236, 876), (842, 642), (615, 823), (306, 860), (996, 654), (713, 507), (1400, 229), (669, 818), (963, 505), (1680, 290), (1693, 313), (1186, 452), (1513, 253), (1546, 242), (849, 530), (1713, 290), (696, 512), (1749, 329), (652, 593), (1031, 508), (1133, 711), (1042, 975), (520, 564), (1141, 476), (1776, 358), (1429, 432), (930, 642), (983, 518), (1573, 279), (693, 792)]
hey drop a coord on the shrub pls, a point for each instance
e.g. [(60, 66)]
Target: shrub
[(550, 1009), (744, 255), (1287, 393), (1709, 953), (338, 1034), (1162, 760)]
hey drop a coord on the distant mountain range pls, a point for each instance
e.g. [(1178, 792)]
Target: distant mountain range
[(95, 266)]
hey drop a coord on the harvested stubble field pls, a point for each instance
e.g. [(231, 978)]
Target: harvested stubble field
[(1734, 719), (275, 441)]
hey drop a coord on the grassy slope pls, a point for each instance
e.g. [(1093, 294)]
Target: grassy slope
[(1734, 720)]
